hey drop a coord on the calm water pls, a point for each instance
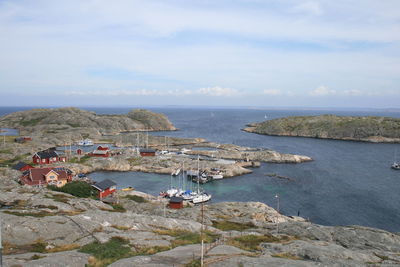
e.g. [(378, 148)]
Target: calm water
[(347, 183)]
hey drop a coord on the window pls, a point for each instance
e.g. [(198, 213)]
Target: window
[(43, 160), (52, 177)]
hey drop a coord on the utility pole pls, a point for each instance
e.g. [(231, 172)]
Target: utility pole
[(1, 247), (201, 234)]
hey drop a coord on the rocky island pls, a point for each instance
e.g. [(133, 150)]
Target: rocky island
[(367, 129)]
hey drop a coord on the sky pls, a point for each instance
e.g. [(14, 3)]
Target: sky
[(271, 53)]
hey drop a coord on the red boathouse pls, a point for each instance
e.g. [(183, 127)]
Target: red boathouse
[(105, 188)]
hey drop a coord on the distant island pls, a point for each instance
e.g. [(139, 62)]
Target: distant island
[(69, 121), (366, 128)]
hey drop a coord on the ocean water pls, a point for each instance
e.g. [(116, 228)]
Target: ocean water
[(348, 183)]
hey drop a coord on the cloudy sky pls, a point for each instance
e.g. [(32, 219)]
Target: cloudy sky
[(342, 53)]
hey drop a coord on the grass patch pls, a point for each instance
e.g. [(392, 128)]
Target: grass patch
[(105, 140), (6, 151), (135, 161), (151, 250), (83, 159), (135, 198), (51, 207), (117, 208), (39, 246), (251, 242), (194, 263), (13, 161), (36, 257), (31, 122), (231, 226), (108, 252), (286, 255), (74, 125), (31, 214), (59, 198), (183, 237)]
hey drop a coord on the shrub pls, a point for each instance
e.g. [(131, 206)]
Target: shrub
[(115, 248), (135, 198), (76, 188), (231, 226)]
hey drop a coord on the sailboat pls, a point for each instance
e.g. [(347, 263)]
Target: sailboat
[(201, 196), (396, 164)]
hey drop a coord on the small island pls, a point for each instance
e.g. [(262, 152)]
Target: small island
[(366, 128)]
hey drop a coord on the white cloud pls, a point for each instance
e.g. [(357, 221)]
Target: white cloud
[(353, 92), (322, 91), (209, 91), (272, 92), (309, 7), (218, 91)]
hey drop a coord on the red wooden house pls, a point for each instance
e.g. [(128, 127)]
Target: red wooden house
[(176, 202), (105, 188), (22, 166), (102, 148), (48, 156), (100, 153), (44, 176), (147, 152)]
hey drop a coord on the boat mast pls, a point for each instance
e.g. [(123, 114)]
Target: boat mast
[(198, 174)]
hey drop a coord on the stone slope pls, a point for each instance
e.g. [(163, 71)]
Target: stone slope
[(369, 129), (67, 119), (64, 222)]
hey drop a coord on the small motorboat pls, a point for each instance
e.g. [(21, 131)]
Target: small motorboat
[(396, 166), (130, 188)]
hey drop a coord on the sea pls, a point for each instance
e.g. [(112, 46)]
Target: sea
[(347, 183)]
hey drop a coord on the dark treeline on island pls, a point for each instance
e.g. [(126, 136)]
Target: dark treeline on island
[(366, 128)]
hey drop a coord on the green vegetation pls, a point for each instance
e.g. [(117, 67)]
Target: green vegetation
[(183, 237), (39, 246), (51, 207), (194, 263), (74, 125), (8, 162), (106, 253), (83, 159), (6, 151), (286, 255), (231, 226), (118, 208), (76, 188), (36, 257), (32, 214), (252, 242), (135, 198), (31, 122), (58, 197)]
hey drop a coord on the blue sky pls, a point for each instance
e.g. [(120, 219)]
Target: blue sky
[(342, 53)]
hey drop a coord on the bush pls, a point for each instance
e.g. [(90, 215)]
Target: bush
[(115, 248), (76, 188), (135, 198)]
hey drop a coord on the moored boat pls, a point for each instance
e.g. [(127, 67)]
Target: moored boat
[(396, 166), (130, 188), (202, 197)]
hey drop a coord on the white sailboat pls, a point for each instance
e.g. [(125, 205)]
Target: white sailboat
[(201, 196), (396, 164)]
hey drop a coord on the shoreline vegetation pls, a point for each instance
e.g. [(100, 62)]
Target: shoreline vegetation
[(349, 128)]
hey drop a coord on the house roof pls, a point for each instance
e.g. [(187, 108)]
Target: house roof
[(147, 150), (47, 154), (175, 200), (100, 152), (37, 174), (103, 185), (19, 165)]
